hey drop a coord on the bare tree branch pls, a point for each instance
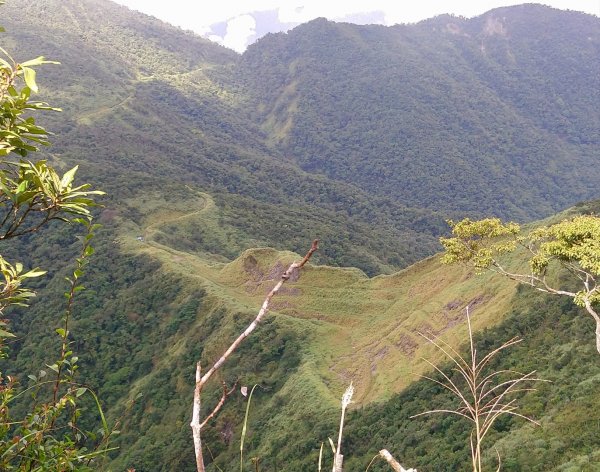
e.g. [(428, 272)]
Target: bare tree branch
[(195, 424), (201, 380), (216, 409), (385, 454)]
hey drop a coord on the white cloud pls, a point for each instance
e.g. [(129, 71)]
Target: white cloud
[(239, 30), (199, 15)]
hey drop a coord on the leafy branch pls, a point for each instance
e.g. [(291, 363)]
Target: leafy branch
[(18, 130), (41, 440), (572, 245)]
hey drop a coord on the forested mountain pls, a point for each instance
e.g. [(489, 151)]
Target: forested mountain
[(167, 112), (498, 114), (366, 137)]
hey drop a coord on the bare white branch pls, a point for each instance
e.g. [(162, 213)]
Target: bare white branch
[(202, 380), (385, 454)]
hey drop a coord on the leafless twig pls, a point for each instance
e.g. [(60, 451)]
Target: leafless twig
[(216, 409)]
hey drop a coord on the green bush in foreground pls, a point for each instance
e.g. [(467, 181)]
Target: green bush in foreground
[(32, 194)]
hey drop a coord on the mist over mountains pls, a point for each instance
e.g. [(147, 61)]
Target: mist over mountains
[(493, 115)]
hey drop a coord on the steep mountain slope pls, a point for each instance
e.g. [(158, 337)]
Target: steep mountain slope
[(553, 333), (163, 121), (142, 97), (498, 114), (153, 309)]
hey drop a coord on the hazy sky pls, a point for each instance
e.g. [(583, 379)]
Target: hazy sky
[(237, 23)]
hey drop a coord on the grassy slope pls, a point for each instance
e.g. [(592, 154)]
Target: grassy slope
[(330, 325), (360, 327), (146, 99), (352, 327), (558, 344), (364, 329)]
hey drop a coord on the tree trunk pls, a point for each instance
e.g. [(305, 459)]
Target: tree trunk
[(598, 334), (195, 424), (338, 462), (596, 316), (202, 379)]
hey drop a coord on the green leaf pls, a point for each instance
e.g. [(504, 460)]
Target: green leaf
[(25, 94), (67, 179), (29, 75), (22, 186), (26, 196), (34, 273), (80, 391), (37, 61)]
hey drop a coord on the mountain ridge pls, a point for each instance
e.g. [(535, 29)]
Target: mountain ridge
[(438, 102), (207, 155)]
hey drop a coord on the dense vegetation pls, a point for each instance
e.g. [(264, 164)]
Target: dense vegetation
[(366, 137), (557, 345), (39, 422), (496, 114), (142, 83)]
